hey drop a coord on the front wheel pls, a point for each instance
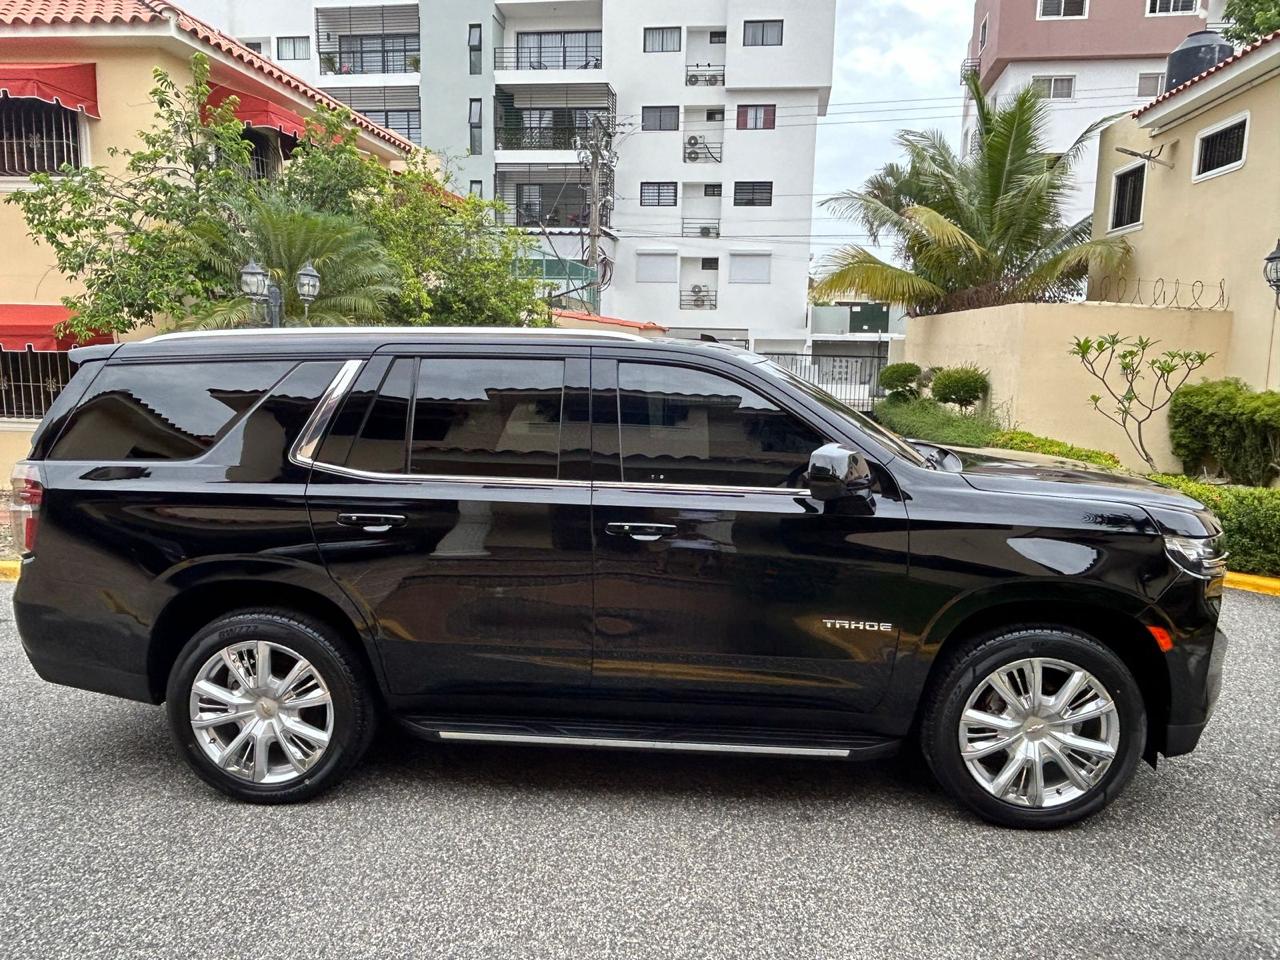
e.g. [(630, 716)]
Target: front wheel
[(1034, 727), (269, 706)]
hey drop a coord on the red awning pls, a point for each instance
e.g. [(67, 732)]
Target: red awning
[(259, 112), (32, 325), (72, 85)]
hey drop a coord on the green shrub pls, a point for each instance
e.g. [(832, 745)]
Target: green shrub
[(1250, 518), (964, 386), (1030, 443), (901, 378), (1224, 423), (925, 419)]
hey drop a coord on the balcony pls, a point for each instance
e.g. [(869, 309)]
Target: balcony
[(547, 117), (698, 297), (972, 67), (701, 149), (704, 75), (707, 229), (357, 41), (546, 196), (552, 50)]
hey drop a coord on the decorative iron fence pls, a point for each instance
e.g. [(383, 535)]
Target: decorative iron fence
[(853, 380), (30, 380)]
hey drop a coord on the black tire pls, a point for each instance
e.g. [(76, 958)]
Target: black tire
[(354, 711), (968, 667)]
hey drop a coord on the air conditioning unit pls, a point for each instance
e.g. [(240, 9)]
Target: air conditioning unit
[(693, 156), (697, 289), (694, 141), (713, 79), (707, 231), (699, 302), (693, 80)]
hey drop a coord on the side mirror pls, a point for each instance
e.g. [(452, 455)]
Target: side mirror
[(837, 472)]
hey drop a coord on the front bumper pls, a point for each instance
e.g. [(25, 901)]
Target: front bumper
[(1180, 738), (1189, 610)]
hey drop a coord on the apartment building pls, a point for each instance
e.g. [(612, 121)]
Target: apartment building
[(710, 106), (366, 55), (1091, 58)]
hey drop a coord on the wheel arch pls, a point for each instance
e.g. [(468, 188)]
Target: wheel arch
[(200, 603), (1118, 627)]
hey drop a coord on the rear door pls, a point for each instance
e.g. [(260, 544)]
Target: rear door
[(450, 499), (723, 591)]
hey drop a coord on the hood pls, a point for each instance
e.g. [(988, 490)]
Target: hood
[(1175, 512)]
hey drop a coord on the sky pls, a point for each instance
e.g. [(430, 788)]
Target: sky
[(886, 50)]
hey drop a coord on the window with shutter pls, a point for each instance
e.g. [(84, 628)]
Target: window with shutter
[(757, 116), (1127, 191)]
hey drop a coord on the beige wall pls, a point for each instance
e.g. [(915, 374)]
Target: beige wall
[(15, 444), (27, 273), (1039, 386), (1217, 229)]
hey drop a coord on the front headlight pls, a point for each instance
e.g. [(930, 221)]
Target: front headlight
[(1199, 556)]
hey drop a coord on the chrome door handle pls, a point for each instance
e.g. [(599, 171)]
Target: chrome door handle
[(372, 522), (644, 532)]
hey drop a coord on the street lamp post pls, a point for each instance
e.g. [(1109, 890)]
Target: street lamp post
[(253, 284), (308, 285), (1271, 271), (261, 288)]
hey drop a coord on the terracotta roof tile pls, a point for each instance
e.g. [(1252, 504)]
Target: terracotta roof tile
[(1216, 68), (57, 12)]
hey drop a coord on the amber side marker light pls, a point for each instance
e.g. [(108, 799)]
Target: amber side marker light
[(1163, 640)]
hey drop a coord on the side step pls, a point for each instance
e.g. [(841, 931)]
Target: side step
[(840, 745)]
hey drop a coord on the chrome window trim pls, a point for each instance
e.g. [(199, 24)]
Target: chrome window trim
[(701, 488), (446, 478), (308, 442)]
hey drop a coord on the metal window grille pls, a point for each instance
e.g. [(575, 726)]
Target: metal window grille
[(293, 48), (661, 39), (396, 108), (762, 33), (1173, 6), (719, 36), (37, 137), (712, 189), (749, 193), (1222, 149), (1128, 200), (30, 380), (1062, 8), (659, 118), (373, 39), (658, 194), (710, 263)]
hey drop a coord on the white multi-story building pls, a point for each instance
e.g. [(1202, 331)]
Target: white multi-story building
[(1091, 59), (712, 106)]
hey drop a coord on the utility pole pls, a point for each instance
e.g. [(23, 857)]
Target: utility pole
[(596, 155)]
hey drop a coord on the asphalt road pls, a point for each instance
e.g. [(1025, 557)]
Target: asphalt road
[(110, 848)]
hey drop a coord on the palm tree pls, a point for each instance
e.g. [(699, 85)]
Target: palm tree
[(972, 231), (357, 279)]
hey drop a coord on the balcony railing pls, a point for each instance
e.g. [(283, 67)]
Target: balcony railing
[(699, 149), (708, 229), (572, 214), (971, 67), (704, 74), (590, 57), (538, 138), (698, 297), (372, 55)]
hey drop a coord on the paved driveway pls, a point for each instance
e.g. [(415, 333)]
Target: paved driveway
[(109, 848)]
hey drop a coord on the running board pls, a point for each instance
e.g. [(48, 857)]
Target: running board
[(620, 736)]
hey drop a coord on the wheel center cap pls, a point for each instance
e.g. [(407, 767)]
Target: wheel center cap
[(267, 708), (1034, 728)]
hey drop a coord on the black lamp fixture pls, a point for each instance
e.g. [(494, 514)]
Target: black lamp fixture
[(253, 281), (307, 282), (1271, 271)]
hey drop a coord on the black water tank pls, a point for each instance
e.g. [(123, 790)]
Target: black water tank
[(1196, 54)]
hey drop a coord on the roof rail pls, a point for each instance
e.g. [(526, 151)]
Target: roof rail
[(404, 331)]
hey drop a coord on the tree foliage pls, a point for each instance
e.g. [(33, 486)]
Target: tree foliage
[(162, 237), (1251, 20), (971, 231), (963, 386)]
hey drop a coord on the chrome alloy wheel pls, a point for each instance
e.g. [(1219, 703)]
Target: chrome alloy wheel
[(1039, 732), (261, 712)]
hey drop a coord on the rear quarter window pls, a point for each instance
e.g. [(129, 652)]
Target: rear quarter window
[(164, 411)]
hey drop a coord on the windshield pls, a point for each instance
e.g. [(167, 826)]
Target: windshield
[(864, 423)]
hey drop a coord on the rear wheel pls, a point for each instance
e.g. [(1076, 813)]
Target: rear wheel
[(270, 706), (1034, 727)]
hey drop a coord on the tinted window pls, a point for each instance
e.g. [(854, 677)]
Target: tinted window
[(488, 418), (690, 427), (380, 441), (163, 411)]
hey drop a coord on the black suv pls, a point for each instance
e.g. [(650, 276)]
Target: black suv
[(548, 537)]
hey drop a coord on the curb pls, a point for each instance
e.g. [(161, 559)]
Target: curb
[(1254, 583), (9, 570)]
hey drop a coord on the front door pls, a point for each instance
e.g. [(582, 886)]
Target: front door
[(444, 503), (722, 589)]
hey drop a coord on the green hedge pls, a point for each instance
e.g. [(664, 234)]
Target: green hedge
[(1250, 518), (930, 420), (963, 386), (1225, 424)]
